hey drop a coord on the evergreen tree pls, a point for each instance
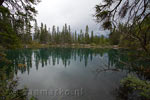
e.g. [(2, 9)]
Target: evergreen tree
[(92, 37), (54, 34), (134, 13), (66, 33), (96, 40), (87, 35), (102, 39), (58, 36), (8, 37), (63, 35), (79, 38), (82, 39), (15, 18), (76, 37), (49, 35), (36, 32), (27, 36), (69, 35), (66, 36), (46, 38), (42, 33)]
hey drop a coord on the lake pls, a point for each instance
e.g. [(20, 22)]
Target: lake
[(70, 73)]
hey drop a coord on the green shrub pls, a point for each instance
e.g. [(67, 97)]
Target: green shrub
[(9, 40), (134, 85), (8, 85)]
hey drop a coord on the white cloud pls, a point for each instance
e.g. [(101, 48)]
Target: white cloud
[(77, 13)]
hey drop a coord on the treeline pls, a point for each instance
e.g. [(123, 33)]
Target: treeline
[(44, 35), (134, 38), (16, 28), (15, 22), (64, 56)]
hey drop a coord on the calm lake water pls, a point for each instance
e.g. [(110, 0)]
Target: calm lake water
[(70, 74)]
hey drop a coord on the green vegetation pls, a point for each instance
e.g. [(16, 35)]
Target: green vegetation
[(15, 29), (128, 21), (44, 36), (129, 24), (120, 36), (15, 22), (8, 85), (133, 85)]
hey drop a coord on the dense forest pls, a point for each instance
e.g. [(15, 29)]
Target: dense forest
[(16, 31), (128, 21), (15, 21), (45, 36), (16, 28), (15, 16)]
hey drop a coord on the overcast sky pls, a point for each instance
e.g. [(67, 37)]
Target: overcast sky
[(77, 13)]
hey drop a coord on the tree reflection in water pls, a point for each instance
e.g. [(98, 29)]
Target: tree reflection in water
[(53, 56), (102, 63)]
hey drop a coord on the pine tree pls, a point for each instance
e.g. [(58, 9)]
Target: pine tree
[(63, 35), (27, 36), (49, 35), (102, 39), (57, 35), (75, 36), (54, 34), (8, 36), (92, 37), (82, 38), (15, 21), (45, 35), (41, 33), (36, 32), (87, 35), (79, 38), (66, 33), (69, 35)]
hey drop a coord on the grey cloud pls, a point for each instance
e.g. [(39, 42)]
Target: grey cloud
[(77, 13)]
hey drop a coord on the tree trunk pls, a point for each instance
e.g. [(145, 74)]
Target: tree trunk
[(1, 2)]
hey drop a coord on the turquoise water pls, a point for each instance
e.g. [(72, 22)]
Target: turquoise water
[(70, 74)]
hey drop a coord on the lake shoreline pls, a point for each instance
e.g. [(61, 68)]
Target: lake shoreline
[(37, 46)]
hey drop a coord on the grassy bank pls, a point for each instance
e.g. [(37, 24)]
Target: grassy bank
[(37, 45)]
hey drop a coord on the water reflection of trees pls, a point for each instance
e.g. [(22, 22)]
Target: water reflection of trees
[(54, 56)]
